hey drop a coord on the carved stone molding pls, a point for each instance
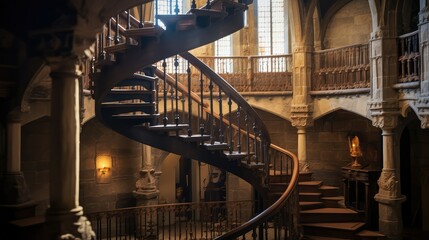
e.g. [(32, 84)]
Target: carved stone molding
[(423, 111), (302, 48), (301, 115), (384, 114), (388, 184)]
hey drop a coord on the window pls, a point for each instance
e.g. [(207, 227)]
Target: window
[(272, 32), (223, 49)]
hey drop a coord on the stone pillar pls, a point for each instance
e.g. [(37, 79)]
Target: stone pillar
[(423, 102), (389, 195), (146, 193), (15, 197), (64, 215), (302, 109)]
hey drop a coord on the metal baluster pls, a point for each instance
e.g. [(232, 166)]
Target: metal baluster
[(141, 23), (176, 80), (231, 147), (189, 101), (201, 123), (193, 4), (109, 33), (165, 118), (117, 37), (176, 7), (208, 6), (239, 132), (221, 134), (211, 112)]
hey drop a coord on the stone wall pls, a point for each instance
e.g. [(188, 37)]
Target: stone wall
[(126, 163), (350, 25), (35, 155)]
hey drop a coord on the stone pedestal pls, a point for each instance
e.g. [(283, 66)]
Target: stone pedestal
[(147, 221)]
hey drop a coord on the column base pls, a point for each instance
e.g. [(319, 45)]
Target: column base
[(68, 225), (14, 189), (390, 215)]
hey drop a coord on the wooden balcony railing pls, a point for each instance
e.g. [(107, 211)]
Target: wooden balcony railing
[(409, 57), (341, 68), (245, 74)]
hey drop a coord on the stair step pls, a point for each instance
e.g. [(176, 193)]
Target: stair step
[(178, 21), (127, 107), (253, 165), (333, 229), (168, 127), (119, 48), (129, 94), (195, 138), (281, 176), (216, 146), (136, 119), (329, 215), (310, 205), (309, 186), (208, 12), (138, 80), (333, 201), (310, 197), (153, 31), (367, 234), (229, 5), (329, 191), (235, 155), (308, 237)]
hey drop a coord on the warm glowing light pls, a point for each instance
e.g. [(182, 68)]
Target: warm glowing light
[(103, 163)]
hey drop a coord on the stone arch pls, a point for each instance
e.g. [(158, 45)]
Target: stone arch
[(336, 109)]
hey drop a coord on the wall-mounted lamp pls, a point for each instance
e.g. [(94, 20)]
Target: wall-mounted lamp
[(103, 164), (104, 170)]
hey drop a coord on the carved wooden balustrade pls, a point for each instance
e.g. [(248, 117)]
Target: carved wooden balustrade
[(409, 57), (245, 74), (341, 68)]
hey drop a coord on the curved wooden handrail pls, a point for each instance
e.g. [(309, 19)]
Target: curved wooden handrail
[(228, 89), (271, 210)]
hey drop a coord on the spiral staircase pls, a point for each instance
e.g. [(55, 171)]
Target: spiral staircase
[(182, 106)]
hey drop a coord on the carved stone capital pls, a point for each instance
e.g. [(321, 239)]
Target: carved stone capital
[(424, 15), (300, 48), (301, 115), (384, 114), (381, 33), (423, 112)]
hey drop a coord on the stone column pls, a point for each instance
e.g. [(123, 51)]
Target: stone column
[(301, 104), (15, 198), (64, 215), (385, 112), (423, 102), (146, 193), (389, 195)]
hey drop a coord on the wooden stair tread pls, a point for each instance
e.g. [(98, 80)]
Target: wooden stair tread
[(208, 12), (144, 32), (216, 146), (195, 137), (168, 127), (369, 233), (337, 198), (125, 104), (308, 237), (309, 203), (235, 154), (310, 183), (310, 194), (330, 211), (325, 187), (120, 47), (350, 226)]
